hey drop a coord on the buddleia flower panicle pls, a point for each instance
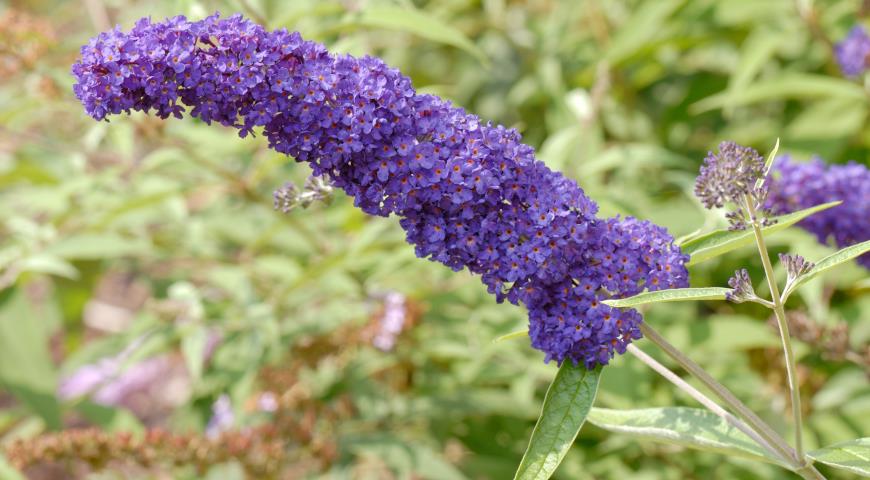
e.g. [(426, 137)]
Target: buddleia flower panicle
[(469, 194), (795, 266), (741, 288), (796, 186), (730, 176), (853, 52)]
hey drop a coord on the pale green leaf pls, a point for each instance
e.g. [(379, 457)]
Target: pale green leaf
[(418, 23), (689, 427), (193, 344), (94, 246), (644, 25), (833, 260), (49, 264), (566, 405), (718, 242), (671, 295), (788, 85), (26, 367), (767, 164), (7, 472), (853, 456), (510, 336)]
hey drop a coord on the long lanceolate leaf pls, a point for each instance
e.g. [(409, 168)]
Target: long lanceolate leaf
[(719, 242), (831, 261), (566, 405), (670, 295), (853, 456), (689, 427)]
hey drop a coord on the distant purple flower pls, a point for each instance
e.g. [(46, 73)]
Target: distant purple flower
[(267, 402), (853, 52), (392, 321), (796, 186), (469, 194), (222, 417)]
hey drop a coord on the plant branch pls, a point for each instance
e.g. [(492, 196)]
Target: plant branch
[(779, 310), (706, 402), (739, 408)]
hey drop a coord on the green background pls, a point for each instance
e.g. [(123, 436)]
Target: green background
[(626, 97)]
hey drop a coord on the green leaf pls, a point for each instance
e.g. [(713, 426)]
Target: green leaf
[(853, 456), (831, 261), (90, 246), (788, 85), (671, 295), (723, 241), (689, 427), (566, 405), (26, 368), (418, 23), (767, 164), (193, 342), (510, 336)]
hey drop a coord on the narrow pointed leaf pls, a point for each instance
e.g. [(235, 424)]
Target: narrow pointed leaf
[(510, 336), (566, 405), (853, 456), (723, 241), (767, 164), (690, 427), (833, 260), (671, 295)]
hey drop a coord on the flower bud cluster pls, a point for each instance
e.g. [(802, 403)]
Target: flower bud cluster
[(796, 186), (469, 194), (731, 177), (741, 285)]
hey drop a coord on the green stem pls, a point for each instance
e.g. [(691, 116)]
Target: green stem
[(706, 402), (779, 311), (799, 464)]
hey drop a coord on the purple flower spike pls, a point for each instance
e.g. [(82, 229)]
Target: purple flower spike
[(796, 186), (469, 194), (853, 53)]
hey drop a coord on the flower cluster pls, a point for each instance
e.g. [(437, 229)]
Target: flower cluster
[(741, 287), (469, 194), (796, 186), (853, 52), (731, 176), (795, 266)]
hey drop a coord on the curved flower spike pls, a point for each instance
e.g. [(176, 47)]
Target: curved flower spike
[(469, 194)]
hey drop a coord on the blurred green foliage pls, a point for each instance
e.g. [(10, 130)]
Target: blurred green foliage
[(139, 228)]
